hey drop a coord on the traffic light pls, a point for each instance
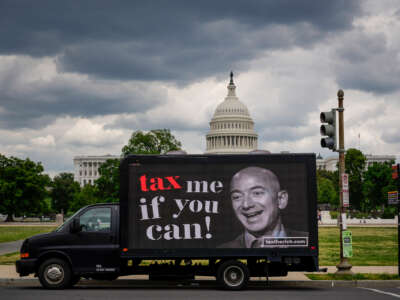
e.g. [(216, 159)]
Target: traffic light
[(329, 129)]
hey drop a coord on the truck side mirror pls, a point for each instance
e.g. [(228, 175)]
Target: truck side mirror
[(75, 225)]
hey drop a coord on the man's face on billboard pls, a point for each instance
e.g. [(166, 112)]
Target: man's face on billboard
[(255, 199)]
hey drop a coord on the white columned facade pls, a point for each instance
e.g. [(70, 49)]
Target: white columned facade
[(231, 127), (87, 167)]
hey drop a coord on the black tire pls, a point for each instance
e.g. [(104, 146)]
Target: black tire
[(233, 275), (55, 273)]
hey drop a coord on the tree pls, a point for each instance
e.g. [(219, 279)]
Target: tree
[(327, 192), (108, 183), (22, 186), (85, 196), (46, 208), (328, 187), (63, 190), (377, 182), (158, 141), (355, 166), (333, 176)]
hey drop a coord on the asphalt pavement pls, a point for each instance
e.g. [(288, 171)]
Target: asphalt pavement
[(185, 292), (10, 247), (199, 290)]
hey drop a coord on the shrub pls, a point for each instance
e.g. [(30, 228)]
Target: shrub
[(360, 215), (334, 214), (389, 212)]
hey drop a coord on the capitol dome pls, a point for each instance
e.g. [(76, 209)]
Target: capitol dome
[(231, 127), (232, 106)]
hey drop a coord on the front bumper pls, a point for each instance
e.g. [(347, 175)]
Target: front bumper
[(26, 266)]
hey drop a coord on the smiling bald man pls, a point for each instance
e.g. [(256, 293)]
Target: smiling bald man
[(257, 200)]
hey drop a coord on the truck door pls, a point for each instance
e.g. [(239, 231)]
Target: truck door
[(94, 249)]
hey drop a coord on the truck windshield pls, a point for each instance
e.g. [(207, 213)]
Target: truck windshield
[(62, 226)]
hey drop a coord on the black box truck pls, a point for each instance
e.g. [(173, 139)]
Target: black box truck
[(228, 216)]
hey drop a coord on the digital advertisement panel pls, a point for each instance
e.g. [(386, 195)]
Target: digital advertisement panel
[(202, 205)]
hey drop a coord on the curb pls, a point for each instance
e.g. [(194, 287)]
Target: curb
[(139, 283)]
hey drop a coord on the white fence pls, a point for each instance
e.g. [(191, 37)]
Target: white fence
[(327, 220)]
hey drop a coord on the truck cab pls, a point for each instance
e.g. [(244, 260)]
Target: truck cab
[(86, 245)]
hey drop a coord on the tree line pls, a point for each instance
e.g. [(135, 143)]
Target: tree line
[(26, 190), (368, 185)]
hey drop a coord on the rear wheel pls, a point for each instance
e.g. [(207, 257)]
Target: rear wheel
[(233, 275), (55, 273)]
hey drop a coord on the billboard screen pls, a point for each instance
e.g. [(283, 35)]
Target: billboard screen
[(201, 204)]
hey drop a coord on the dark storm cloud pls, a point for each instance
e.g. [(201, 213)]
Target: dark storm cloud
[(164, 40), (36, 104), (146, 122), (366, 62)]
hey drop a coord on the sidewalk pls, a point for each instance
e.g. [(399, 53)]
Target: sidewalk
[(366, 269)]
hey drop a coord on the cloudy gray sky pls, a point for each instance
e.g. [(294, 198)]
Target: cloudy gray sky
[(78, 77)]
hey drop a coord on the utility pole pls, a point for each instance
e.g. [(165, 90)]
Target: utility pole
[(344, 267)]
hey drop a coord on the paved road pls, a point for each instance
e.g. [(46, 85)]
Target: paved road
[(198, 292), (10, 247)]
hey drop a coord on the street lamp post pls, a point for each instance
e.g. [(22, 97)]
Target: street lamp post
[(344, 267)]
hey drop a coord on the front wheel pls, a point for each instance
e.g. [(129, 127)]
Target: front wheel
[(55, 273), (233, 275)]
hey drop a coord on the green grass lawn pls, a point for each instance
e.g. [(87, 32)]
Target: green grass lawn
[(372, 246), (9, 259), (15, 233)]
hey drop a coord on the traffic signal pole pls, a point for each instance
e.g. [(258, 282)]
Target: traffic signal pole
[(344, 267)]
